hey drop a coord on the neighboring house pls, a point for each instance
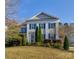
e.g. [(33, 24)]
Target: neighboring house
[(49, 27), (71, 39), (71, 35)]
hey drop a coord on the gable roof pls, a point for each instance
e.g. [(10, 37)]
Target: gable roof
[(42, 15)]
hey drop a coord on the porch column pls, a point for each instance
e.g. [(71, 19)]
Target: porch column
[(28, 37), (46, 30)]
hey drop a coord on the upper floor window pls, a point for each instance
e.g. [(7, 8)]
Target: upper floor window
[(32, 26), (51, 25), (42, 25)]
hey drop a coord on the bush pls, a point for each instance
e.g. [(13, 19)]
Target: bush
[(29, 44), (24, 39), (13, 42), (47, 45), (57, 45), (20, 42), (66, 43), (7, 43), (38, 35), (39, 44)]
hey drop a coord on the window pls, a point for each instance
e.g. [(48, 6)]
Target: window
[(54, 36), (51, 25), (43, 36), (32, 26), (23, 30), (32, 37), (51, 36), (42, 25)]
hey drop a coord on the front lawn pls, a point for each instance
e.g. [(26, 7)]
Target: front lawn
[(31, 52)]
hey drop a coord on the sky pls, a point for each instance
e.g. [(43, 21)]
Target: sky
[(63, 9)]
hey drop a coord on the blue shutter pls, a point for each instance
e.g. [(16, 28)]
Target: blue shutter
[(49, 35), (29, 26), (44, 25), (49, 25), (34, 26)]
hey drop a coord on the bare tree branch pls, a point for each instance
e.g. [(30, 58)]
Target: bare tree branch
[(11, 7)]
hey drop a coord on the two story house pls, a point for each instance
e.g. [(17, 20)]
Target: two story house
[(49, 27)]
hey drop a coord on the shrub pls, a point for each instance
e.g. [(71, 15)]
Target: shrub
[(7, 43), (47, 45), (20, 42), (66, 43), (24, 39), (13, 42), (57, 45), (29, 44), (39, 44), (38, 35)]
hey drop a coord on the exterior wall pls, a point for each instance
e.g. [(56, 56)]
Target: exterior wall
[(46, 29)]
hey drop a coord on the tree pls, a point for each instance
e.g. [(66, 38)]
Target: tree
[(11, 8), (66, 43), (24, 39), (66, 28), (39, 35), (36, 36), (12, 31), (12, 28), (61, 30)]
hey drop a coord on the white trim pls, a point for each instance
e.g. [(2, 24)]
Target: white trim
[(35, 15), (40, 13)]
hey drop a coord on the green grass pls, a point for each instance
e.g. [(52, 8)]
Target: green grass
[(30, 52)]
